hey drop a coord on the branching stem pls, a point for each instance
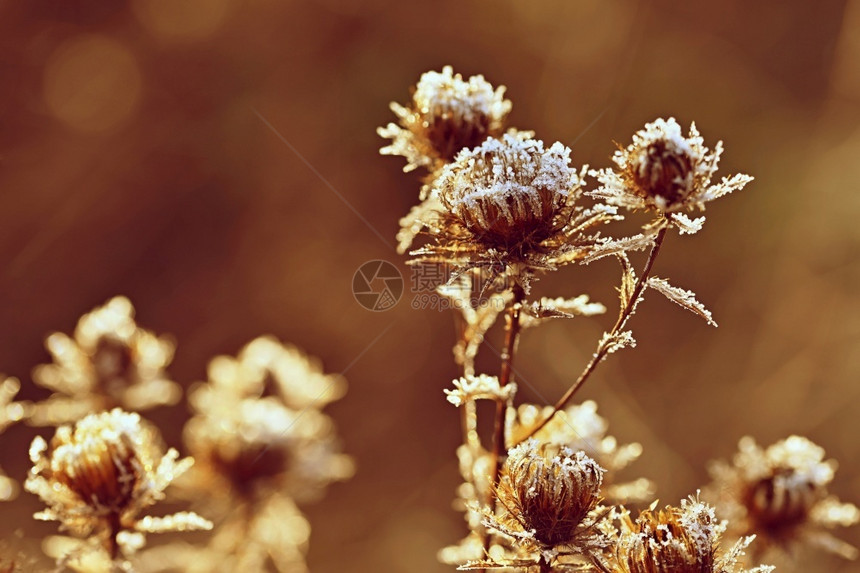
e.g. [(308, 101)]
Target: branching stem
[(605, 344)]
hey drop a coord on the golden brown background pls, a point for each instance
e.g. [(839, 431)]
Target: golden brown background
[(135, 159)]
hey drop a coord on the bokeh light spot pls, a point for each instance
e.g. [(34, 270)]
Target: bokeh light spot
[(181, 20), (92, 83)]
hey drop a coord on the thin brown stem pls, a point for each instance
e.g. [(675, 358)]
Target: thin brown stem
[(112, 544), (544, 565), (512, 331), (604, 345)]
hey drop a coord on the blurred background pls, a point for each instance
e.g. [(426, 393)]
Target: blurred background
[(216, 161)]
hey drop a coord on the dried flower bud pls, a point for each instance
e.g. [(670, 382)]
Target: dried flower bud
[(662, 541), (549, 490), (664, 171), (580, 427), (99, 475), (677, 540), (509, 193), (447, 114)]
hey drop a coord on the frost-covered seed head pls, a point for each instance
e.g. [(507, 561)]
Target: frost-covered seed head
[(664, 171), (549, 490), (447, 114), (782, 500), (104, 459), (509, 192), (670, 540)]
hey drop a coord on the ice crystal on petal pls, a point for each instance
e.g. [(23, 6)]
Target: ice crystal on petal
[(546, 308), (510, 205), (549, 496)]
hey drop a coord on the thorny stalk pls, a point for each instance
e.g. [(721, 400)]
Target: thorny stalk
[(605, 344)]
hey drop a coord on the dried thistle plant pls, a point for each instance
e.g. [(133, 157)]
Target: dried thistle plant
[(779, 493), (261, 443), (496, 213), (109, 362), (97, 477)]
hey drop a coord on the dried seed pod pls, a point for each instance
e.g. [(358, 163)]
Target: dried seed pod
[(682, 539), (509, 193), (97, 477), (447, 114), (666, 172), (549, 490)]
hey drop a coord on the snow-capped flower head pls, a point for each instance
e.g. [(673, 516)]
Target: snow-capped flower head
[(447, 114), (548, 492), (509, 207), (666, 172), (676, 540), (780, 494), (509, 192), (97, 476)]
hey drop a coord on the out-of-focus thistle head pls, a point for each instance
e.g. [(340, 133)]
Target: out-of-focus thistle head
[(547, 492), (447, 114), (676, 540), (780, 494), (98, 476), (666, 172), (10, 413), (258, 423), (109, 362)]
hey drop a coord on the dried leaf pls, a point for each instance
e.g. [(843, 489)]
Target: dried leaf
[(684, 298), (617, 341), (610, 246), (546, 308), (481, 387), (686, 225)]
